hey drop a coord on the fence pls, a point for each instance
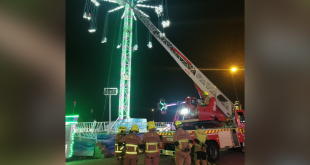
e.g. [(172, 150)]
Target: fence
[(89, 130)]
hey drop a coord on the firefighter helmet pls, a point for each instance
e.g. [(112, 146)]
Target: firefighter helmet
[(134, 128), (150, 125), (121, 129), (178, 123)]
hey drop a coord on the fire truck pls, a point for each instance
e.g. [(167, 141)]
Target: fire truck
[(221, 135), (224, 122)]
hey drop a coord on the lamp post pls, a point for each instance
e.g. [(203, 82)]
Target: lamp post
[(153, 114), (232, 75), (74, 104)]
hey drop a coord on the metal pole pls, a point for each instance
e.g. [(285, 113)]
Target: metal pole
[(74, 104), (234, 85), (153, 114), (109, 113)]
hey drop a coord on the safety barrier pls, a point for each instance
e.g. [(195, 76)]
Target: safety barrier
[(89, 130)]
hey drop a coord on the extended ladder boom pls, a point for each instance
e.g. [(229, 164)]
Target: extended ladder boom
[(191, 70)]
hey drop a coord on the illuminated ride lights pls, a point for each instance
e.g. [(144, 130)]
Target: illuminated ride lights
[(110, 11), (166, 23), (72, 143), (159, 10), (92, 30), (149, 45), (104, 40), (110, 1), (69, 121), (146, 6), (95, 2), (135, 47), (85, 16)]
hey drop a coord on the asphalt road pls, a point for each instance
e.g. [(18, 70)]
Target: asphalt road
[(228, 157)]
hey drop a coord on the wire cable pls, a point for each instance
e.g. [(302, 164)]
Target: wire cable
[(105, 101)]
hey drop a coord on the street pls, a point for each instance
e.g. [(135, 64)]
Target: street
[(228, 157)]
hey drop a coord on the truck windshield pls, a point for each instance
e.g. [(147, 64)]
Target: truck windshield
[(193, 101), (241, 117)]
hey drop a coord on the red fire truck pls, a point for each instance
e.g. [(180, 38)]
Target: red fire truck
[(219, 134)]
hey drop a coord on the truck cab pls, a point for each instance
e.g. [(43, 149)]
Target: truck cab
[(193, 111)]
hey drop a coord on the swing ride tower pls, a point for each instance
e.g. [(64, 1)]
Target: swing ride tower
[(126, 39), (125, 82)]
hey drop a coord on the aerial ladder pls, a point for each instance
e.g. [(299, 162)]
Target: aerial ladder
[(202, 83)]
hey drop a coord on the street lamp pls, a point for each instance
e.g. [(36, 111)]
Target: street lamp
[(74, 104), (232, 75), (153, 114)]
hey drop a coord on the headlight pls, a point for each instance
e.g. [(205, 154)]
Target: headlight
[(184, 111)]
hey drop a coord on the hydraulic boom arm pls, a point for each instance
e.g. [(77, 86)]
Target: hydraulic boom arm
[(189, 68)]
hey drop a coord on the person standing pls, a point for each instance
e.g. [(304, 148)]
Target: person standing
[(151, 141), (119, 154), (183, 144), (132, 143), (200, 138)]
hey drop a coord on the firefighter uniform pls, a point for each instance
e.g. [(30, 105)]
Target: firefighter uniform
[(200, 138), (132, 144), (119, 154), (183, 144), (151, 141)]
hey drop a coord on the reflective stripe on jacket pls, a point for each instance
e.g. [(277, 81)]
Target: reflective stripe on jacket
[(183, 138)]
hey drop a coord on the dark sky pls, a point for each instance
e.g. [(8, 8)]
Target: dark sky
[(209, 32)]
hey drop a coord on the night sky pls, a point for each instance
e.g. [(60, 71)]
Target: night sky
[(209, 32)]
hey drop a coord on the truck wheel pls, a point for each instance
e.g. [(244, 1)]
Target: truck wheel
[(213, 152)]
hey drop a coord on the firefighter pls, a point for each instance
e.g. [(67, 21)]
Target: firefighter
[(151, 142), (119, 154), (183, 144), (200, 138), (132, 143), (205, 99), (237, 105)]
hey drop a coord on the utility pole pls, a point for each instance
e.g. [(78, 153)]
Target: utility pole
[(232, 75), (153, 114), (110, 91)]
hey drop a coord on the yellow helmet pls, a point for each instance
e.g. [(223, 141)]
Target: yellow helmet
[(206, 93), (121, 129), (150, 125), (178, 123), (134, 128)]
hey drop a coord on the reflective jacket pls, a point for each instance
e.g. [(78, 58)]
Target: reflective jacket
[(117, 139), (200, 137), (132, 143), (151, 141), (182, 139)]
